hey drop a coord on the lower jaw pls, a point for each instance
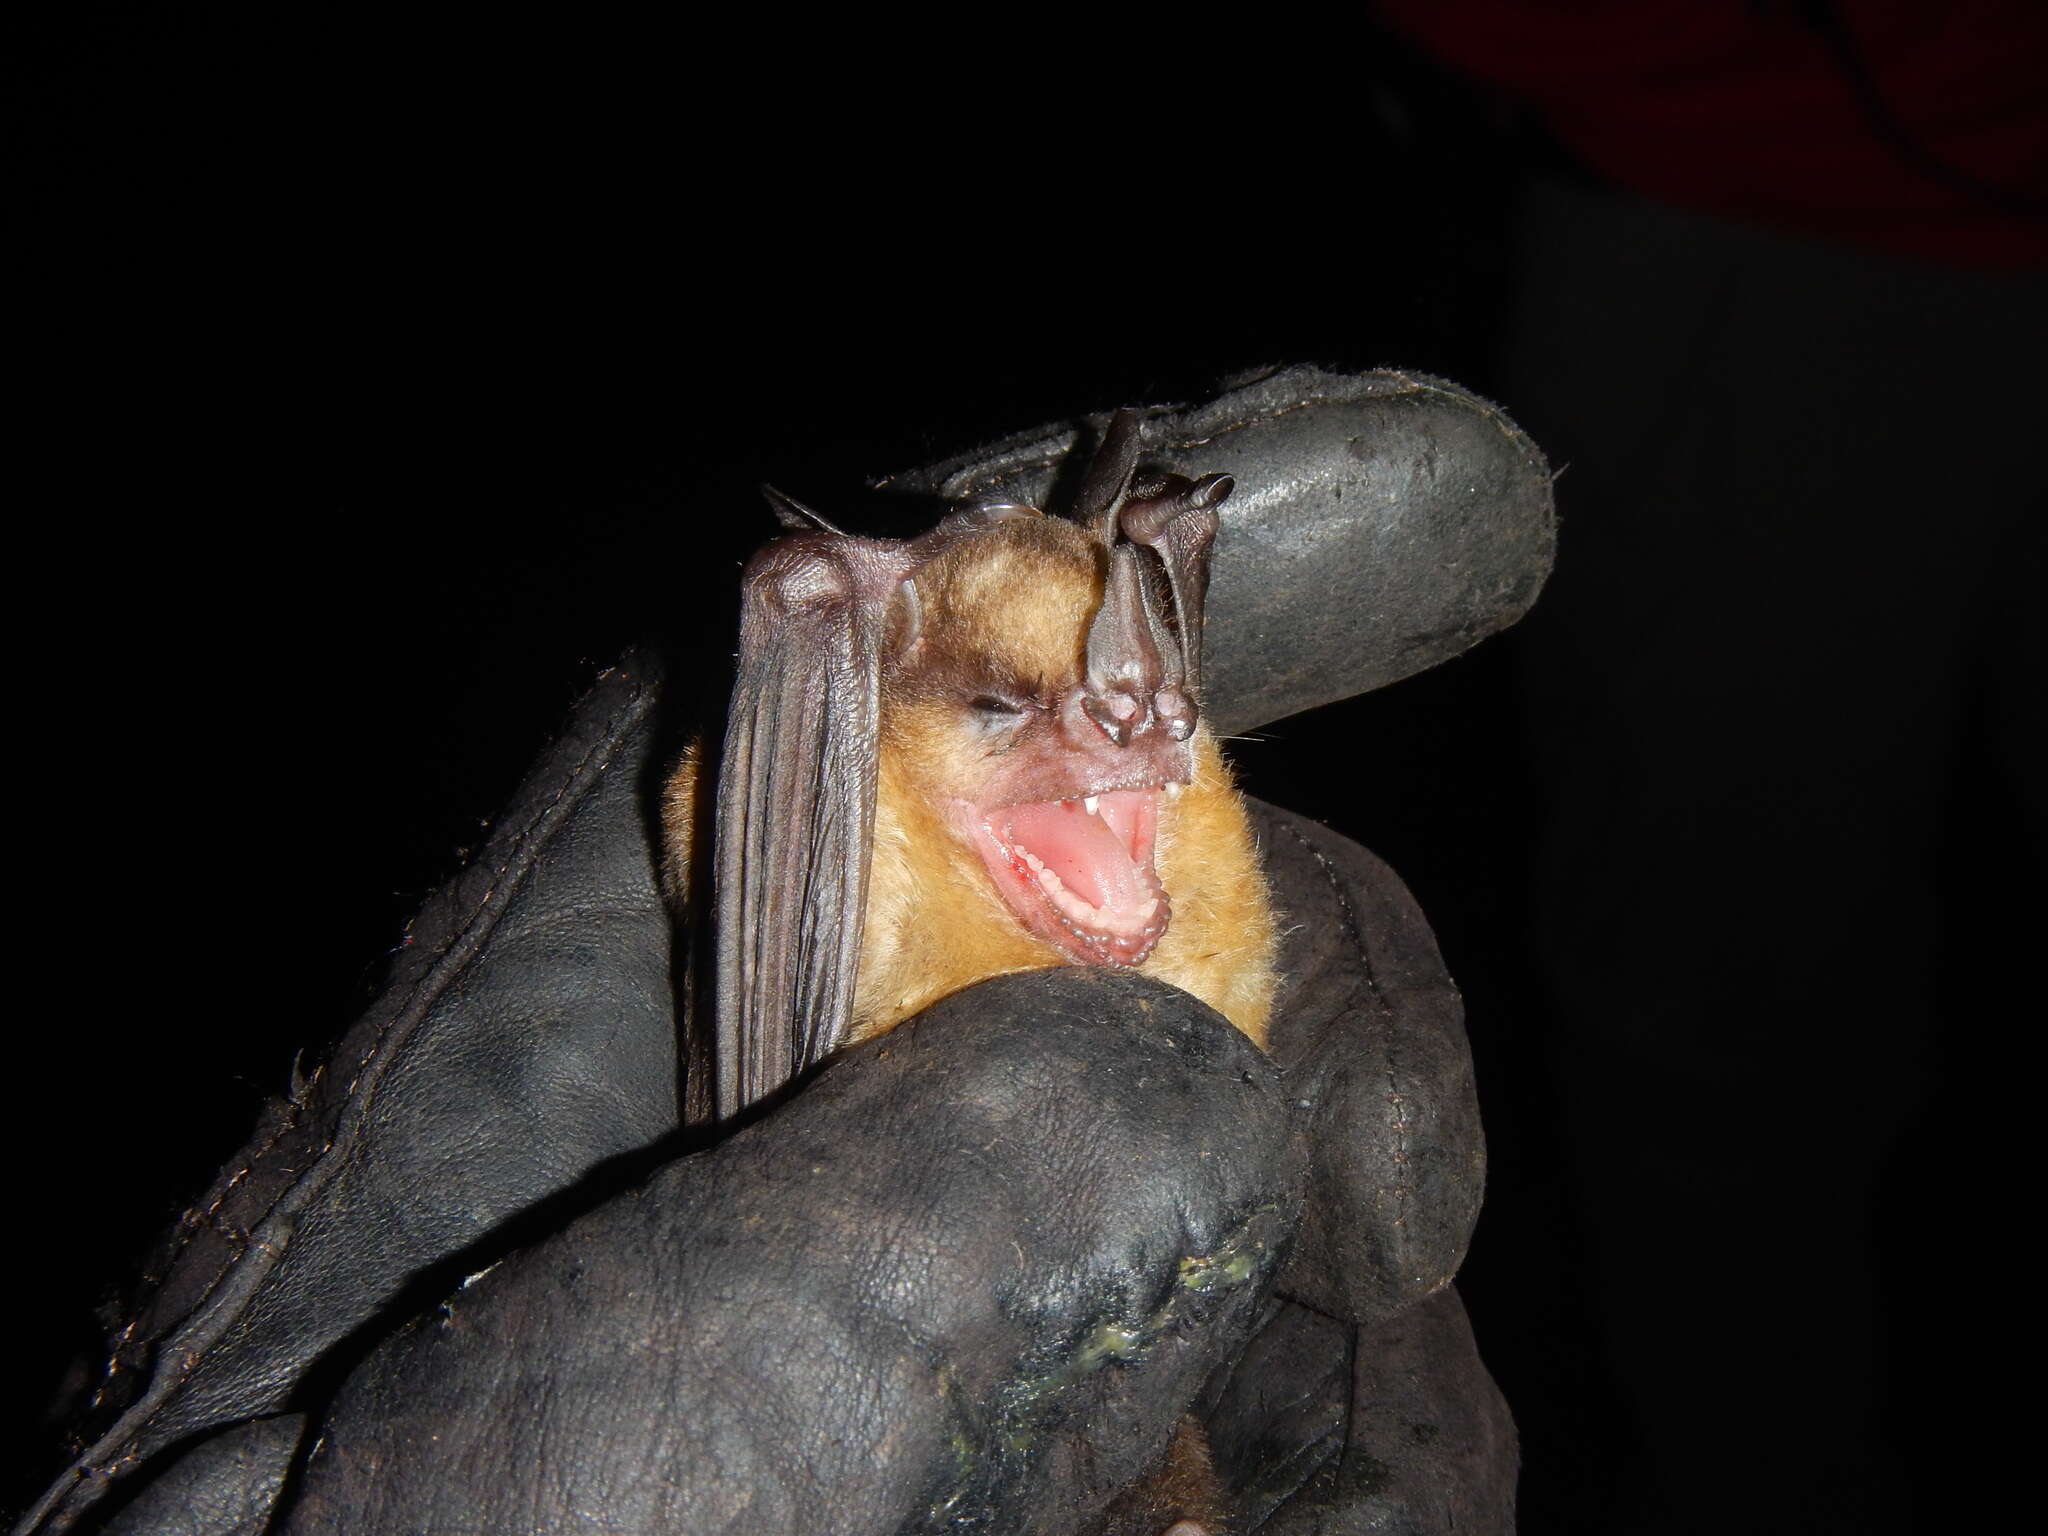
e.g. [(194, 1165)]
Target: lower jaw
[(1034, 912), (1084, 948)]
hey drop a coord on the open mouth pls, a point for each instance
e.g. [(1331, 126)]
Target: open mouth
[(1077, 873)]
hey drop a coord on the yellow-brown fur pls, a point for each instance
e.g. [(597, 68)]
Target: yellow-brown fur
[(934, 924), (680, 807), (1011, 607)]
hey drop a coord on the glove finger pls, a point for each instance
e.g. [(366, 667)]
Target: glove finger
[(974, 1272), (1382, 523)]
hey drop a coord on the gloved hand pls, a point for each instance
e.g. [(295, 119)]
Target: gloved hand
[(472, 1275)]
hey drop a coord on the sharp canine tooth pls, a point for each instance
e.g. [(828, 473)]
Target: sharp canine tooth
[(1172, 791), (1093, 804)]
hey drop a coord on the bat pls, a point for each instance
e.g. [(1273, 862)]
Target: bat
[(970, 753)]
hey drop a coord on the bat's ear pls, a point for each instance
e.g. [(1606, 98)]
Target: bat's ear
[(1176, 520), (793, 514), (1109, 475), (796, 804)]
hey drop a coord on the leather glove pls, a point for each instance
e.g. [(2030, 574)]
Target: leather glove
[(473, 1275)]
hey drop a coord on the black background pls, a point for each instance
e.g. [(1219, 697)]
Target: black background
[(399, 381)]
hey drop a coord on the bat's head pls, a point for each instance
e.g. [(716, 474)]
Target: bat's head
[(1042, 676), (991, 703), (1021, 688)]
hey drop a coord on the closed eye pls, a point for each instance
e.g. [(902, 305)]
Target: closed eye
[(993, 704)]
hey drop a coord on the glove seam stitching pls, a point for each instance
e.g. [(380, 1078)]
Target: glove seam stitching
[(214, 1313), (1354, 931)]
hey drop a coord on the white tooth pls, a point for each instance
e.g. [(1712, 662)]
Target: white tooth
[(1092, 804), (1173, 791)]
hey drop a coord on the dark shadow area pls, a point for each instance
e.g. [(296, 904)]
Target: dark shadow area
[(1736, 845)]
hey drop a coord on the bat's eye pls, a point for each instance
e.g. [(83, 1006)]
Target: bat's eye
[(995, 706)]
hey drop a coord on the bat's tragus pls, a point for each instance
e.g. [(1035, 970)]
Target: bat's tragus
[(1144, 668)]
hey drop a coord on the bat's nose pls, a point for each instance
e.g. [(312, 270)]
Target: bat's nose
[(1174, 711), (1125, 716), (1118, 715)]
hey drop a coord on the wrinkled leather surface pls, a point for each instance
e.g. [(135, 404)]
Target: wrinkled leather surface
[(899, 1204), (528, 1038), (527, 1034), (225, 1486), (1372, 1031), (1321, 1431), (1003, 1244), (1382, 522)]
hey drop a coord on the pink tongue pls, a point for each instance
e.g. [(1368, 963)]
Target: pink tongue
[(1085, 851)]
